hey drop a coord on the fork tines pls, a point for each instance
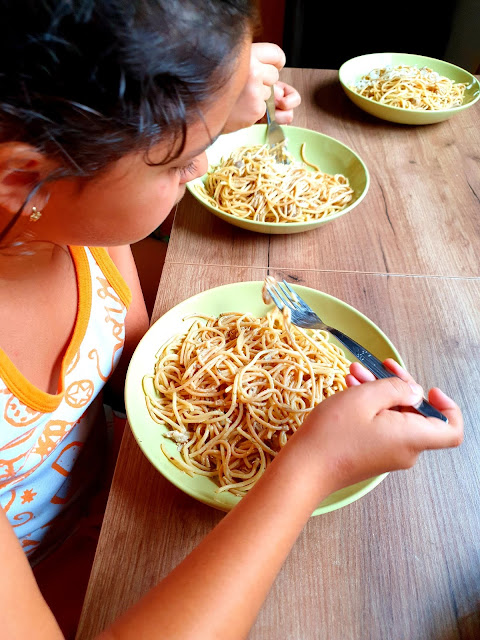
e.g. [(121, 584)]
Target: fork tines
[(283, 295)]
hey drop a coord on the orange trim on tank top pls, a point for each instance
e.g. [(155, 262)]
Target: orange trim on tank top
[(17, 383), (114, 277)]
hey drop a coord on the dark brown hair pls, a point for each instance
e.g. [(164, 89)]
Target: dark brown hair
[(86, 81)]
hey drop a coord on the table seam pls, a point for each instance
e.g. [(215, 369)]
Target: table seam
[(270, 267)]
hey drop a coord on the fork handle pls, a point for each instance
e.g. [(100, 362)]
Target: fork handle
[(378, 369), (270, 103)]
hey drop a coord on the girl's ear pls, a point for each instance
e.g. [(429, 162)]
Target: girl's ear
[(21, 169)]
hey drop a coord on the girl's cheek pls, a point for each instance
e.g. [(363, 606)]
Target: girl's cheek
[(171, 188), (180, 193)]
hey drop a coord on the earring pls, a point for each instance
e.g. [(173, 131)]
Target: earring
[(35, 215)]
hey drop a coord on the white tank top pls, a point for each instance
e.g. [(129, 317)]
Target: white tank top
[(46, 462)]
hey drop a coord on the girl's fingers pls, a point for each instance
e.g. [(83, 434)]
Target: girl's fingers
[(360, 373), (363, 375), (390, 393), (279, 92), (431, 433), (351, 381), (440, 400), (399, 371), (447, 406), (283, 117), (269, 75), (287, 97), (269, 53), (265, 90)]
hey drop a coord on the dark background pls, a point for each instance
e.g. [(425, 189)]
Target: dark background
[(323, 34)]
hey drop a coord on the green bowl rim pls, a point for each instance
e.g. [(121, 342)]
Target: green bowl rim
[(289, 225)]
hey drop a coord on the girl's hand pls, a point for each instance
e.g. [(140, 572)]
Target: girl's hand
[(361, 432), (266, 60), (287, 99)]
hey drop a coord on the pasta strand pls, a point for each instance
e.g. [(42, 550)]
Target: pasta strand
[(410, 88), (252, 185)]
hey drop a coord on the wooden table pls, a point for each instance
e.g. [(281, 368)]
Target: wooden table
[(403, 562)]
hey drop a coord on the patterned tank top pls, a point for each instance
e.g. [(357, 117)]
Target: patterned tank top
[(50, 445)]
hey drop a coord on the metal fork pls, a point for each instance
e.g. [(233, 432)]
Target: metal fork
[(275, 134), (303, 316)]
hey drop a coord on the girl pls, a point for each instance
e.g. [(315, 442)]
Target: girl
[(106, 109), (93, 128)]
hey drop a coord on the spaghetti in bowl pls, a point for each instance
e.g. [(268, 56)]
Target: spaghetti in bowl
[(240, 298), (408, 88), (246, 187)]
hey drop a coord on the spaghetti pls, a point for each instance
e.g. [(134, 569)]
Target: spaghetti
[(252, 185), (410, 88), (233, 389)]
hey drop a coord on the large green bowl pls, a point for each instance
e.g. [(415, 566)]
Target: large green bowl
[(352, 70), (241, 296), (329, 154)]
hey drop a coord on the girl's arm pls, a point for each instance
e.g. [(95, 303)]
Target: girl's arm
[(23, 611), (217, 591)]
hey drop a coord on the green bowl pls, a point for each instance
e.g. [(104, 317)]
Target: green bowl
[(329, 154), (352, 70), (241, 296)]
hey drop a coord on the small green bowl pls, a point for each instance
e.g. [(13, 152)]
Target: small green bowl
[(329, 154), (244, 297), (352, 70)]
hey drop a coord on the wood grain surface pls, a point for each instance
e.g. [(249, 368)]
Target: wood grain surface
[(403, 562)]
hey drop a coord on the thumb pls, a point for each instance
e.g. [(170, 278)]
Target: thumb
[(388, 393)]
